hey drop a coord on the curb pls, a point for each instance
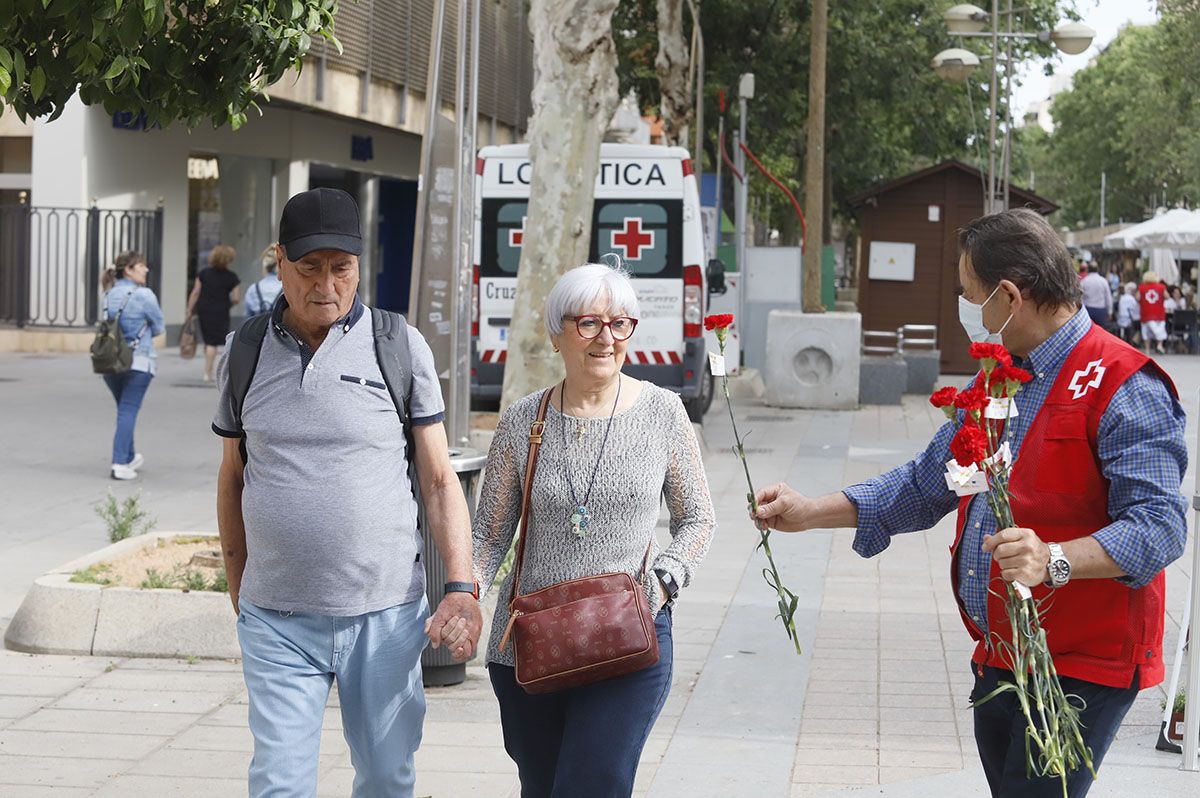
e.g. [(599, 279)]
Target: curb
[(58, 616)]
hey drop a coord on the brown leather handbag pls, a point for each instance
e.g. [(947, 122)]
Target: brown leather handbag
[(579, 631)]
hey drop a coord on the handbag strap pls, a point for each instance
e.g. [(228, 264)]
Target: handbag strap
[(536, 431), (535, 445)]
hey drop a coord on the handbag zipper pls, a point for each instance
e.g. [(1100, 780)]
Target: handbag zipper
[(512, 618)]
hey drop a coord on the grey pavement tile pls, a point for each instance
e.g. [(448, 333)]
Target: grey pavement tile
[(137, 786), (891, 775), (13, 663), (946, 760), (842, 756), (835, 774), (39, 685), (171, 681), (857, 742), (79, 745), (31, 791), (942, 714), (461, 759), (138, 701), (215, 738), (818, 699), (57, 772), (457, 785), (939, 700), (857, 686), (20, 706), (461, 733), (832, 711), (840, 725), (196, 666), (931, 743), (194, 763), (919, 727), (238, 715), (106, 722)]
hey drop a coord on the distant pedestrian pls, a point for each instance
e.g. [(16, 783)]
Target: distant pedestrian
[(213, 294), (125, 292), (1114, 281), (262, 294), (1129, 313), (1153, 297), (1097, 295)]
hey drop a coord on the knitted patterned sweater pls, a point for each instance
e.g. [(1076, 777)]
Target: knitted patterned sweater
[(652, 454)]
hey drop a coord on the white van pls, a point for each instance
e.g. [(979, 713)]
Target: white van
[(647, 211)]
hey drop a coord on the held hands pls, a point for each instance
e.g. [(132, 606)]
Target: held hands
[(456, 624), (1020, 554), (780, 507)]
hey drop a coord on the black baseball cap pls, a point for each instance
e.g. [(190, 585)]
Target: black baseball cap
[(320, 218)]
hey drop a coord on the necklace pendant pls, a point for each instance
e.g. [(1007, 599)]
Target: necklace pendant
[(580, 431), (579, 521)]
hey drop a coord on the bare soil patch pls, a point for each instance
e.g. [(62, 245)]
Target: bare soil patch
[(184, 563)]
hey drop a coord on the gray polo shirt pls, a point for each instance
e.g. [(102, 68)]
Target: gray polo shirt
[(331, 524)]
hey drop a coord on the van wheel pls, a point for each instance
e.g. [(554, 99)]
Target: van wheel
[(697, 407)]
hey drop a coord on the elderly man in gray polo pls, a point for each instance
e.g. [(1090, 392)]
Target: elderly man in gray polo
[(318, 520)]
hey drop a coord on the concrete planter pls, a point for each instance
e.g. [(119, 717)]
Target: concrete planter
[(62, 617)]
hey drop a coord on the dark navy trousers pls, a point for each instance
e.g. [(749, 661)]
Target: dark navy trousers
[(1000, 734), (584, 742)]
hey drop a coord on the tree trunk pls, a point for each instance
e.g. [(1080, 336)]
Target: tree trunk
[(671, 66), (574, 97)]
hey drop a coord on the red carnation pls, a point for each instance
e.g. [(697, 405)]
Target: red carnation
[(1015, 374), (969, 445), (719, 321), (973, 400), (943, 397), (994, 352), (1007, 380)]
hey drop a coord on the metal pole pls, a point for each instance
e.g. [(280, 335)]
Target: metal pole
[(458, 419), (814, 162), (989, 205), (1103, 191), (1191, 717), (698, 152), (1008, 119), (719, 200), (432, 109), (739, 216)]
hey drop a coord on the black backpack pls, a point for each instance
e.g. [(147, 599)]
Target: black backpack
[(391, 353), (111, 353)]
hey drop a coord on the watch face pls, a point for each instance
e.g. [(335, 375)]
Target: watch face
[(1060, 570)]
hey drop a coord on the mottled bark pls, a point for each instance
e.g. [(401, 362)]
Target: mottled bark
[(672, 68), (574, 97)]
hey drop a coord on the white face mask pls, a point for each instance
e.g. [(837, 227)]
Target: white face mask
[(970, 316)]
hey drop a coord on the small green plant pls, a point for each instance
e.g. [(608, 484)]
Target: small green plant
[(1178, 706), (220, 582), (97, 574), (110, 667), (191, 579), (192, 659), (124, 519), (155, 580)]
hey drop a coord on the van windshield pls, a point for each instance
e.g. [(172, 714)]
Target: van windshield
[(503, 228)]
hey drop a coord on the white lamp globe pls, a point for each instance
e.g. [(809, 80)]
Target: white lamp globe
[(955, 65), (965, 18), (1072, 37)]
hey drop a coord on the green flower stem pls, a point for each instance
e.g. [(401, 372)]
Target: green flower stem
[(787, 599)]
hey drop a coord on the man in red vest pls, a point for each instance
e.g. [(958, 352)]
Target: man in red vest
[(1100, 455), (1152, 295)]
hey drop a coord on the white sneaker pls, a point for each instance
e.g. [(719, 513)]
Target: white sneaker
[(137, 462), (123, 472)]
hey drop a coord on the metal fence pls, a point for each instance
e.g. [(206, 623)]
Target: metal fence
[(908, 337), (51, 260)]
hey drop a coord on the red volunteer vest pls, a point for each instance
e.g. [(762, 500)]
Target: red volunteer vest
[(1152, 297), (1098, 630)]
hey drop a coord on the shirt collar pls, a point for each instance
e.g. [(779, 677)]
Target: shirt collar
[(345, 322), (1049, 356)]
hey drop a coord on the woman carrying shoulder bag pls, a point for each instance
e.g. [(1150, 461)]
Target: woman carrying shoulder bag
[(141, 319), (611, 448)]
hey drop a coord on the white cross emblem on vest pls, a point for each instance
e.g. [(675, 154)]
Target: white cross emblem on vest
[(1080, 388)]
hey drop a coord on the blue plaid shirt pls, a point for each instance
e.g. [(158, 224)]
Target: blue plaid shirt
[(1142, 453)]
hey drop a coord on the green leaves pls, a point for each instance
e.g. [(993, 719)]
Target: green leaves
[(212, 62)]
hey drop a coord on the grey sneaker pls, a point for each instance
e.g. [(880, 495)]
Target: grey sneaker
[(123, 472)]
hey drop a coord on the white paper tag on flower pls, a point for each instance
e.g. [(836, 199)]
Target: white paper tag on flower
[(1000, 409), (965, 481), (1003, 455), (1022, 591), (716, 364)]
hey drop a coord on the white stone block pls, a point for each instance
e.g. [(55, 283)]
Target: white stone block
[(165, 623), (56, 617), (813, 359)]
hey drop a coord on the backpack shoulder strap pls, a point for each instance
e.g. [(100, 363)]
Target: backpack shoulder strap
[(244, 351), (395, 359)]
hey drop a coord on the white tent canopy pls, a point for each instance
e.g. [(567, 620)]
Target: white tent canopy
[(1176, 229)]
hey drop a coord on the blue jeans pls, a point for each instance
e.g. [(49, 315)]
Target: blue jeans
[(129, 389), (1000, 734), (584, 742), (290, 660)]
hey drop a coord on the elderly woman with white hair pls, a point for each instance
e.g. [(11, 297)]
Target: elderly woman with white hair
[(612, 449)]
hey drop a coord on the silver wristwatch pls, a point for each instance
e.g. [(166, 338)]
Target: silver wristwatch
[(1059, 567)]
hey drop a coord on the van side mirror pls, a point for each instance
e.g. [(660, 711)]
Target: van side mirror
[(715, 274)]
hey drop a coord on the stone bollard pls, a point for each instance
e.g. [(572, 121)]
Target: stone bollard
[(924, 369), (813, 359), (882, 380)]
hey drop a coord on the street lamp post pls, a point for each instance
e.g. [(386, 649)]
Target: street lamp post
[(956, 65)]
